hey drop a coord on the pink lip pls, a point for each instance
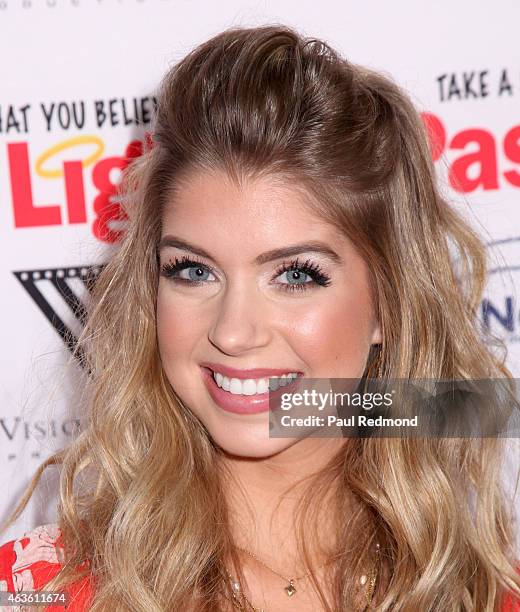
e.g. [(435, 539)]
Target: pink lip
[(243, 404), (243, 374)]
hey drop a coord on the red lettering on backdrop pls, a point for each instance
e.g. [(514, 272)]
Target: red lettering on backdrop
[(436, 134), (485, 157), (25, 213), (105, 209), (512, 151), (75, 191)]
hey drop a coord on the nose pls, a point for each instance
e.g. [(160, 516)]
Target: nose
[(241, 320)]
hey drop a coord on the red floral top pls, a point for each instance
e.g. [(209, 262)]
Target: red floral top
[(29, 562)]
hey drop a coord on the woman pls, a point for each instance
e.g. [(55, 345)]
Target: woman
[(284, 223)]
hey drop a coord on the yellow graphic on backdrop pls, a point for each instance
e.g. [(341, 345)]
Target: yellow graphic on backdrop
[(63, 146)]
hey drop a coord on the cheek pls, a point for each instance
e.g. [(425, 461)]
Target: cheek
[(177, 329), (335, 336), (178, 334)]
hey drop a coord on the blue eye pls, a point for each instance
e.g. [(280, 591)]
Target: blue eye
[(296, 279), (299, 272), (197, 271), (300, 277), (196, 274)]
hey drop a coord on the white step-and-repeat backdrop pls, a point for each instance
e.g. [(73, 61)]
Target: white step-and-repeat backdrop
[(77, 80)]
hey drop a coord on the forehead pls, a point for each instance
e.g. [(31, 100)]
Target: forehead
[(262, 210)]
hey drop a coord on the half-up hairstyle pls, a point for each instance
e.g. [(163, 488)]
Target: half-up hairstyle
[(266, 101)]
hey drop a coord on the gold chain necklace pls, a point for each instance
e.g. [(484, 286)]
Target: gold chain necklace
[(290, 589), (241, 602)]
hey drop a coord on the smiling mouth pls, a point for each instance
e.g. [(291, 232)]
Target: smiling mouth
[(252, 386), (247, 396)]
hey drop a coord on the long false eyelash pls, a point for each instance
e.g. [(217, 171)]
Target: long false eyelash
[(170, 268), (308, 267)]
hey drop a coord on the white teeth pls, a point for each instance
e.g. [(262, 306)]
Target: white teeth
[(262, 385), (235, 386), (249, 387), (252, 386)]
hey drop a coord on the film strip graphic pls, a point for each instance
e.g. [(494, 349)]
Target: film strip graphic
[(33, 281)]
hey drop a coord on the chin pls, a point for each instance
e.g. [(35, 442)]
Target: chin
[(250, 445)]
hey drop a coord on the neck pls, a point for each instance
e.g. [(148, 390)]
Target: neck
[(263, 514)]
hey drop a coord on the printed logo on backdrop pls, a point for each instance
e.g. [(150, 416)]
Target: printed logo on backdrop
[(474, 153), (501, 308), (15, 430), (59, 293), (71, 165), (69, 161), (479, 159)]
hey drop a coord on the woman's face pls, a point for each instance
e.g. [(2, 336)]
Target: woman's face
[(229, 303)]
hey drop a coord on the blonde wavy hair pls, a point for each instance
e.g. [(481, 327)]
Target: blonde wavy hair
[(140, 487)]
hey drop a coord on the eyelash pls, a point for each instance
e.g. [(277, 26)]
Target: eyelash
[(312, 269), (308, 267)]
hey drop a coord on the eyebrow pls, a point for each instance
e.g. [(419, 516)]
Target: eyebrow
[(314, 246)]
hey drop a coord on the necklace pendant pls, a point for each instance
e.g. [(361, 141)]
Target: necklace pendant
[(290, 589)]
